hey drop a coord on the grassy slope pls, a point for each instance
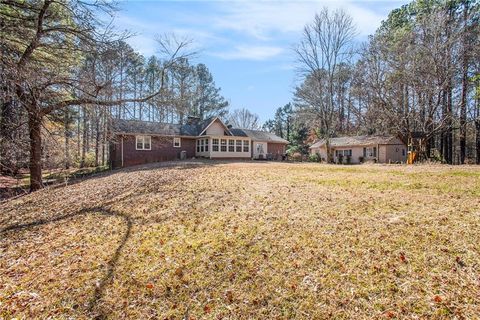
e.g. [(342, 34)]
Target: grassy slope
[(247, 240)]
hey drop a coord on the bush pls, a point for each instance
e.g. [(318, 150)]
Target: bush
[(340, 159), (297, 156), (292, 150), (314, 157), (361, 159)]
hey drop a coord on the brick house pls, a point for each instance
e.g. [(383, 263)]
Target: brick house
[(137, 142)]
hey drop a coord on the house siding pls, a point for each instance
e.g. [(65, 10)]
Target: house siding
[(386, 153), (393, 153), (276, 148), (162, 149), (215, 129)]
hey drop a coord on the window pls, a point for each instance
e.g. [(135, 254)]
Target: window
[(231, 145), (223, 145), (370, 152), (201, 145), (215, 145), (345, 153), (246, 145), (198, 145), (238, 145), (206, 145), (143, 143), (403, 152), (176, 142)]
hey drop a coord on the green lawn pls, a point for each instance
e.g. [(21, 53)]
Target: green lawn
[(246, 240)]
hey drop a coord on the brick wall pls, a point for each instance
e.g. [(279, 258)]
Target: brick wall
[(162, 150)]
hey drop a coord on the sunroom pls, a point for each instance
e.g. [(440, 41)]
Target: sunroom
[(223, 147)]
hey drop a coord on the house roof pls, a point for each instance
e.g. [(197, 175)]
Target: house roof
[(355, 141), (258, 135), (193, 130), (158, 128)]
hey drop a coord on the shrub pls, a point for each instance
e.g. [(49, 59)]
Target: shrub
[(314, 157), (340, 158), (361, 159), (292, 150), (297, 156)]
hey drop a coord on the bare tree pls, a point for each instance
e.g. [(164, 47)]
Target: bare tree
[(327, 43), (244, 119), (46, 41)]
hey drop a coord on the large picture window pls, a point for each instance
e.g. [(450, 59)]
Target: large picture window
[(143, 142), (223, 145), (215, 145), (246, 146), (238, 147), (231, 145)]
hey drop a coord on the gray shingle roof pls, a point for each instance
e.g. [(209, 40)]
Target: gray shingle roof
[(355, 141), (169, 129), (257, 135)]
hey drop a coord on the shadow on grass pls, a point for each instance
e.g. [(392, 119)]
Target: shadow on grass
[(112, 263)]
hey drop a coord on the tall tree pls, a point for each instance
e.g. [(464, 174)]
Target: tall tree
[(208, 100), (326, 44), (243, 118), (46, 41)]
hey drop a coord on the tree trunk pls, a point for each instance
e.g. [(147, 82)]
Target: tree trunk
[(34, 129), (84, 138), (477, 140), (463, 104), (97, 139), (7, 166), (450, 124), (67, 139)]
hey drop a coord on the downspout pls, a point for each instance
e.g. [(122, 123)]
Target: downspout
[(122, 151)]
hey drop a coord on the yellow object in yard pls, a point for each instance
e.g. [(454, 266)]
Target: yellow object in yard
[(412, 156)]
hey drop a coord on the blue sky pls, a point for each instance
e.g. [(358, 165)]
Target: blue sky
[(247, 45)]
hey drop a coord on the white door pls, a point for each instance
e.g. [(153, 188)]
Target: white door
[(259, 150)]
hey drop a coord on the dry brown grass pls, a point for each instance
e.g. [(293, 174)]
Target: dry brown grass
[(247, 240)]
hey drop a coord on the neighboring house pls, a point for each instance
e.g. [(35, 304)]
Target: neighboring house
[(382, 149), (137, 142)]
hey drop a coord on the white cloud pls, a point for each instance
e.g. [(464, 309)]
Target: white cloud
[(262, 19), (243, 52)]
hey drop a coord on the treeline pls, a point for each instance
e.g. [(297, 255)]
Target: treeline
[(416, 77), (65, 73)]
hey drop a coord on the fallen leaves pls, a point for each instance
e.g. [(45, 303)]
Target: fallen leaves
[(249, 240)]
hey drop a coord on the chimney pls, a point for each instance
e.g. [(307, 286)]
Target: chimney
[(193, 120)]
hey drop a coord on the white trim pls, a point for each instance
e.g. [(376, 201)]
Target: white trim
[(143, 143), (215, 119), (179, 142)]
